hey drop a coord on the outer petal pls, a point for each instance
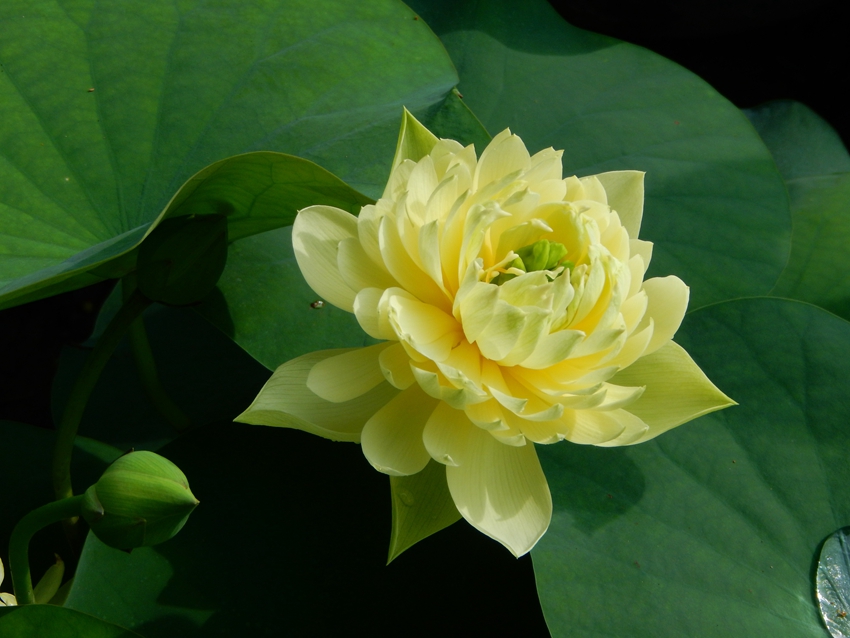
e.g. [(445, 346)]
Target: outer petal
[(422, 505), (392, 438), (347, 376), (625, 195), (414, 141), (316, 234), (676, 390), (501, 490), (666, 305), (286, 401)]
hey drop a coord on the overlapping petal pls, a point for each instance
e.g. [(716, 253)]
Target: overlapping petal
[(514, 311)]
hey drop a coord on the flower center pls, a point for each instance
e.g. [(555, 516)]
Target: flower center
[(541, 255)]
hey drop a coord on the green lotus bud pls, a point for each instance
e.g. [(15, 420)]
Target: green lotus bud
[(141, 499)]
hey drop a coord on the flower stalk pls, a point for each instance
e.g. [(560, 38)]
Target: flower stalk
[(19, 543), (69, 423)]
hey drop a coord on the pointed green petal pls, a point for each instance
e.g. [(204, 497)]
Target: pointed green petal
[(286, 401), (677, 391), (414, 140), (625, 195), (422, 505)]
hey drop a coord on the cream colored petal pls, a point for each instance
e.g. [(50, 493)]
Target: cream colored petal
[(7, 600), (414, 141), (370, 309), (642, 248), (625, 195), (553, 348), (633, 429), (395, 366), (286, 401), (445, 434), (316, 234), (501, 491), (594, 428), (504, 155), (402, 267), (677, 390), (357, 268), (422, 505), (347, 376), (458, 398), (667, 304), (593, 189), (392, 438), (429, 252), (429, 330), (487, 415)]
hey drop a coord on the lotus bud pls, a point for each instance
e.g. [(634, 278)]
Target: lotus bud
[(142, 499)]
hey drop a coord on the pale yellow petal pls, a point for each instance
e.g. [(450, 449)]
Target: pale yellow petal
[(445, 434), (316, 234), (358, 270), (349, 375), (427, 329), (667, 304), (402, 267), (392, 438), (370, 309), (504, 155), (625, 195), (286, 401), (593, 189), (395, 366), (501, 491), (676, 390)]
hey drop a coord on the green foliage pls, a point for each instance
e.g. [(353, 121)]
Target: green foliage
[(56, 622), (106, 109)]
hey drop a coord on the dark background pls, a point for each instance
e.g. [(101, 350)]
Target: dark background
[(751, 51)]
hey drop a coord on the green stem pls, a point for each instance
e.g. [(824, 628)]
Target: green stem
[(86, 381), (146, 366), (19, 543)]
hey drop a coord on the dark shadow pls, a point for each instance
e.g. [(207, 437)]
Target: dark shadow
[(593, 485)]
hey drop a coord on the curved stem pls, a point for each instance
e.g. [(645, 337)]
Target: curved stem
[(19, 543), (146, 367), (86, 381)]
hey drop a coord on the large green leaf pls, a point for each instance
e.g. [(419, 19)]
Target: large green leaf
[(715, 204), (816, 167), (57, 622), (817, 271), (802, 143), (714, 528), (290, 538), (106, 109)]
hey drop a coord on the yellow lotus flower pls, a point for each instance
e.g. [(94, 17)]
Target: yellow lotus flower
[(512, 310)]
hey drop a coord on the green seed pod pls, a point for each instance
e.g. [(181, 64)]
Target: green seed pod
[(141, 499)]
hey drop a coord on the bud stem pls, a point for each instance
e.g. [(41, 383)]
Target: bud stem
[(146, 367), (19, 542), (66, 432)]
